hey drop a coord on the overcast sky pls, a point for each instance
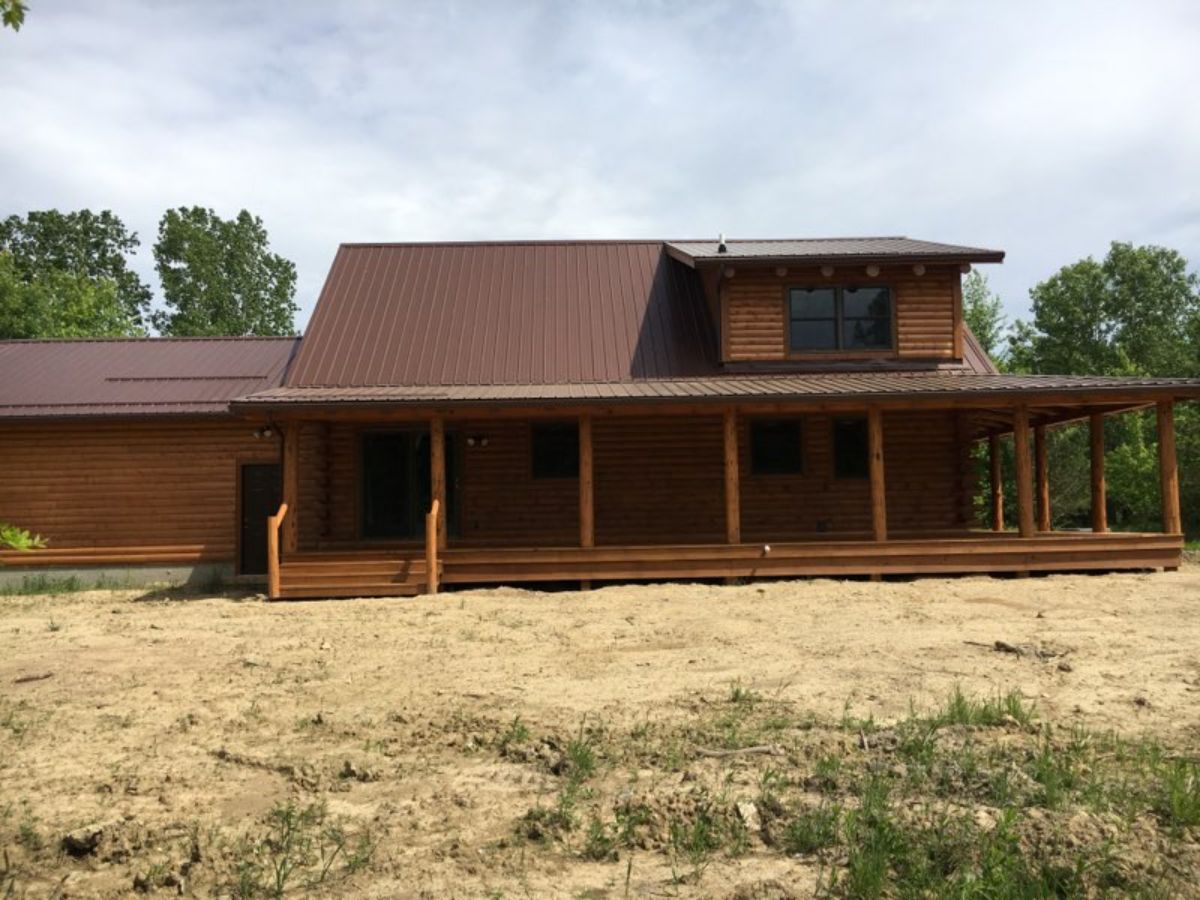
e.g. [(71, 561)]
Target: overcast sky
[(1045, 128)]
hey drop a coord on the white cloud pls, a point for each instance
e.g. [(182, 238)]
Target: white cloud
[(1045, 129)]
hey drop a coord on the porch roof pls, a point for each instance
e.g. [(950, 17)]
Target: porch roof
[(945, 385)]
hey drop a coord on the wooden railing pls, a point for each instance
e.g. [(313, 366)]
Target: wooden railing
[(431, 546), (274, 523)]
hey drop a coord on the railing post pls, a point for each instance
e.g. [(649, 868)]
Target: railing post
[(997, 478), (1024, 475), (432, 536), (1168, 469), (1042, 469), (733, 503), (1099, 487), (875, 467), (291, 486), (437, 479), (587, 516), (274, 590)]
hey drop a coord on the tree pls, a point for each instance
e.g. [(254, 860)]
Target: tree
[(1137, 312), (12, 13), (59, 304), (983, 311), (220, 278), (82, 243)]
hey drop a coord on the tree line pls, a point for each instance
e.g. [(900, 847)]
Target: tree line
[(66, 275), (1135, 312)]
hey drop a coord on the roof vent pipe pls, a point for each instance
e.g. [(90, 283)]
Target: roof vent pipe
[(721, 248)]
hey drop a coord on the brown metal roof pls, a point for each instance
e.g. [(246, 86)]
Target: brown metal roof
[(833, 249), (137, 376), (508, 313), (814, 386)]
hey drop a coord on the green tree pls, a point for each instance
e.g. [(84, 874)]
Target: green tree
[(220, 278), (82, 243), (983, 311), (12, 13), (1137, 312), (59, 304)]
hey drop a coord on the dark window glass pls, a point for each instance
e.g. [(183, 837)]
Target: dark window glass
[(556, 451), (858, 318), (388, 466), (850, 448), (866, 318), (812, 314), (775, 447), (814, 335), (813, 303)]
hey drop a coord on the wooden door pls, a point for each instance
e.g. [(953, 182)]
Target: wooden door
[(261, 495)]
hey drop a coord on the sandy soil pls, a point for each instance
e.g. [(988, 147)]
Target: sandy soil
[(171, 726)]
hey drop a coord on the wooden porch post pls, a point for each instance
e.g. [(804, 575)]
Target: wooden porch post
[(437, 476), (587, 523), (1024, 475), (1043, 478), (291, 486), (1168, 471), (733, 507), (994, 465), (878, 486), (1099, 488)]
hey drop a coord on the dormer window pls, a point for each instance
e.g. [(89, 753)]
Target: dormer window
[(839, 318)]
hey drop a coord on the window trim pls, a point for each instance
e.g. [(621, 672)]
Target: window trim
[(839, 352), (802, 456)]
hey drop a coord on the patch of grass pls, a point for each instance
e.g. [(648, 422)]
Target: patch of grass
[(812, 829), (600, 843), (516, 733), (740, 694), (299, 846), (960, 709), (581, 759), (1178, 801), (42, 585)]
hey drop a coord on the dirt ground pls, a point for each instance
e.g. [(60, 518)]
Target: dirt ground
[(157, 732)]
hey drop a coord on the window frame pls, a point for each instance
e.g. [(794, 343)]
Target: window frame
[(834, 456), (839, 321), (801, 457), (564, 425)]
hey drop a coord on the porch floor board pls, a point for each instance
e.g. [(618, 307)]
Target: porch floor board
[(401, 571)]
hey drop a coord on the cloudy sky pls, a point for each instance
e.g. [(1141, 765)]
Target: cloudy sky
[(1043, 128)]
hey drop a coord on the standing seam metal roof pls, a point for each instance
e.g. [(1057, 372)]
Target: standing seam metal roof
[(137, 376)]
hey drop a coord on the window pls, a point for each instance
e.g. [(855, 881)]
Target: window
[(556, 450), (775, 447), (850, 448), (837, 318)]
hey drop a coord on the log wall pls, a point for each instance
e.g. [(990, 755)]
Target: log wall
[(925, 310), (129, 484), (656, 481)]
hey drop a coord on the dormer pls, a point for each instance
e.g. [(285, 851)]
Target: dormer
[(836, 301)]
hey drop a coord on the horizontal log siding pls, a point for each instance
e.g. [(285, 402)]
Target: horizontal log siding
[(128, 484), (500, 502), (659, 481), (921, 469), (755, 317)]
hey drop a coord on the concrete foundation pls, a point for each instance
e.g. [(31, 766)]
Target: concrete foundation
[(63, 579)]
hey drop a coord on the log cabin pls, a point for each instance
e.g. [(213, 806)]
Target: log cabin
[(549, 411)]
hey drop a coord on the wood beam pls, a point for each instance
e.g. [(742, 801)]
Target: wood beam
[(1099, 486), (878, 484), (997, 478), (1042, 475), (733, 505), (437, 474), (1168, 470), (291, 487), (1024, 474), (587, 517)]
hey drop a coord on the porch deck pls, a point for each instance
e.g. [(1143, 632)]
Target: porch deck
[(403, 571)]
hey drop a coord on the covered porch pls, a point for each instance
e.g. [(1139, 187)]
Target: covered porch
[(676, 491)]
